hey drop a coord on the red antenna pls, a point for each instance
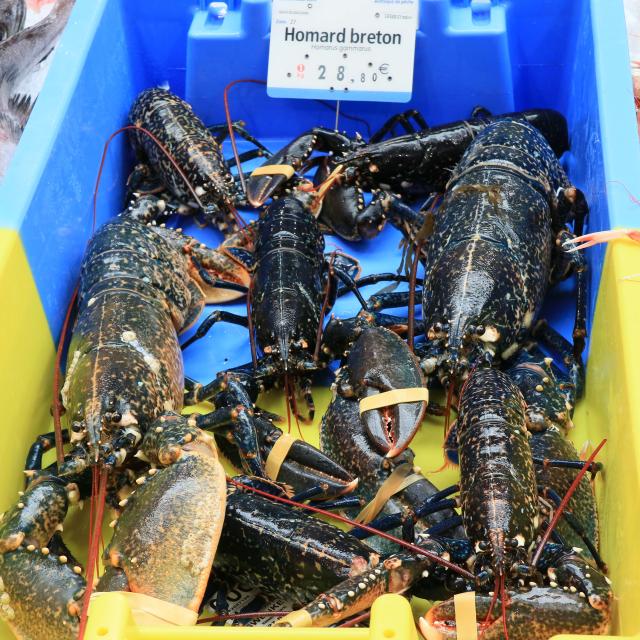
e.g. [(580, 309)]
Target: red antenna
[(232, 135), (244, 616), (57, 405), (334, 516), (92, 560), (565, 501)]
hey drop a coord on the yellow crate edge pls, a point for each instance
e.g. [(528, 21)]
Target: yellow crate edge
[(613, 391), (110, 618), (27, 356)]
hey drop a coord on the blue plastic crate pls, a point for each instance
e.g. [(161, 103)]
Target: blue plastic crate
[(567, 54), (570, 55), (503, 55)]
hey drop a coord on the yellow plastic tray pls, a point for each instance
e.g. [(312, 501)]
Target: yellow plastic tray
[(608, 410)]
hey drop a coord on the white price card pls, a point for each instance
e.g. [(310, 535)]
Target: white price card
[(342, 49)]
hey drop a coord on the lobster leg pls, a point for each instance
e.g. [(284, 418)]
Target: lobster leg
[(217, 284), (391, 521), (210, 320), (251, 154), (481, 113), (568, 464), (43, 443), (221, 132), (577, 527), (397, 574), (565, 263), (393, 300), (540, 613), (349, 283), (166, 537), (243, 432), (375, 278), (404, 120), (306, 388), (550, 338), (572, 205)]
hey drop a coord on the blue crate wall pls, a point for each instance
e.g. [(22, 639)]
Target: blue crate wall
[(505, 55)]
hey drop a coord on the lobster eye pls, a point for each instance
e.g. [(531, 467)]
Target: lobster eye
[(437, 327), (479, 330)]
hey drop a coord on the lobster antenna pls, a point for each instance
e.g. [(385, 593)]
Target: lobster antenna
[(232, 135), (244, 616), (172, 160), (447, 409), (565, 501), (94, 534), (56, 404), (357, 620), (287, 401), (252, 338), (423, 234), (503, 602), (412, 295), (496, 592), (323, 311), (334, 516), (294, 406)]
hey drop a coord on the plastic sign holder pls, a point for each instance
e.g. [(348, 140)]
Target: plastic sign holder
[(343, 49)]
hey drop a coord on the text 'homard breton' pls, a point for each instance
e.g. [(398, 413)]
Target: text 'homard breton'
[(291, 34)]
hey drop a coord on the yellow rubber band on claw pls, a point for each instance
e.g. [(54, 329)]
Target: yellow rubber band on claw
[(274, 170), (299, 618), (149, 611), (277, 455), (401, 477), (466, 624), (395, 396)]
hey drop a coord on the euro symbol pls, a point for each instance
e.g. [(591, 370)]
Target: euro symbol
[(384, 68)]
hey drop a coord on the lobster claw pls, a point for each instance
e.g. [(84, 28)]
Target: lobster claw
[(40, 591), (540, 613), (390, 428), (166, 538), (223, 274), (41, 595), (304, 467), (345, 212), (355, 594), (277, 171)]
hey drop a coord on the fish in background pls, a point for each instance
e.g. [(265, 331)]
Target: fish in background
[(13, 14), (36, 5), (21, 55), (632, 15)]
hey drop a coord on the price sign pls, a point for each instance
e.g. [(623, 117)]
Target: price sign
[(342, 49)]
